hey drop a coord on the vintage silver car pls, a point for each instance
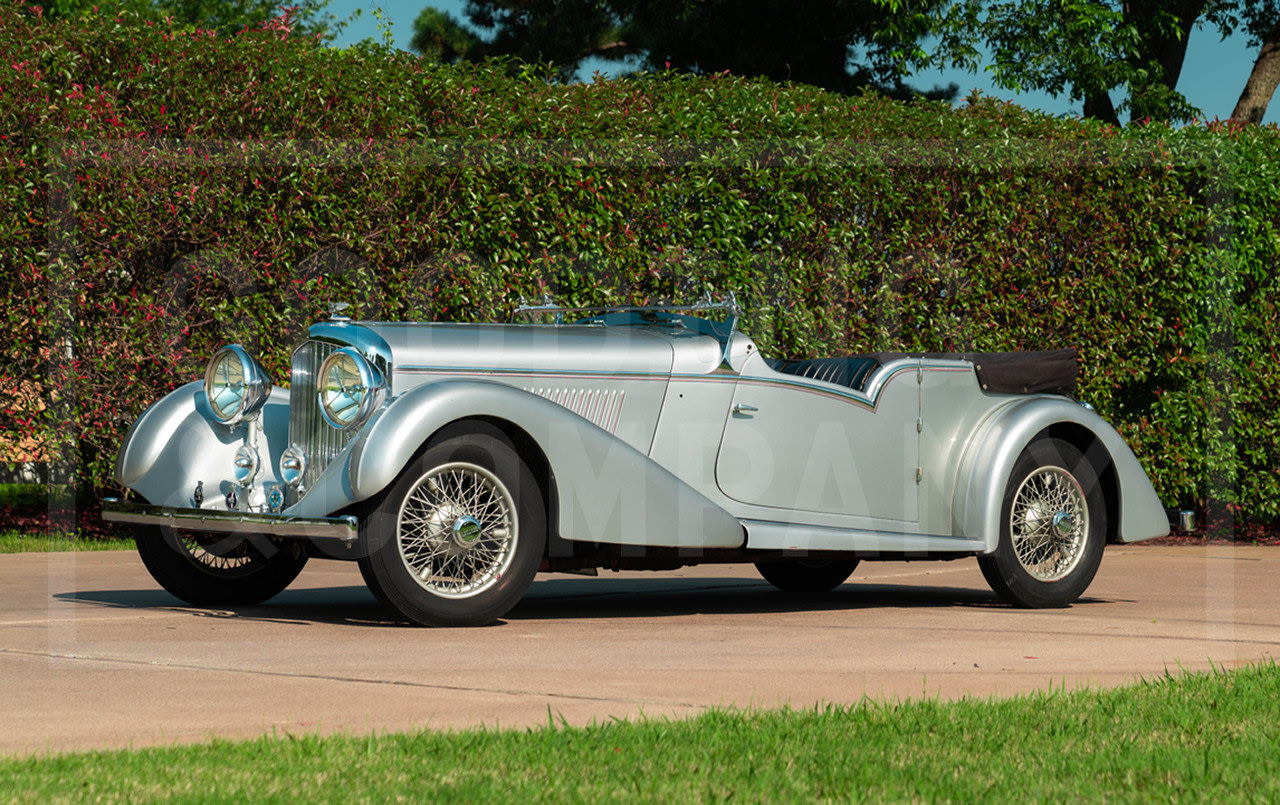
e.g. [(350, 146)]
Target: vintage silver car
[(456, 461)]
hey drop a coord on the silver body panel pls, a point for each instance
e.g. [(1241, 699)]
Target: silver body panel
[(809, 448), (655, 435), (176, 443)]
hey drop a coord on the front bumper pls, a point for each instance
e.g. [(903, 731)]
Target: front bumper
[(343, 529)]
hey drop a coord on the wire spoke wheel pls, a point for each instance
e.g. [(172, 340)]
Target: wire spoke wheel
[(1049, 523), (222, 556), (458, 537), (1053, 527), (457, 530), (218, 569)]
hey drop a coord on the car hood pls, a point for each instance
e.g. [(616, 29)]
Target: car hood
[(508, 347)]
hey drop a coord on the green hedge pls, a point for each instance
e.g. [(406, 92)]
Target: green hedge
[(165, 193)]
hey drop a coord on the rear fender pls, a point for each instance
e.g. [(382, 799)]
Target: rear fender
[(986, 469)]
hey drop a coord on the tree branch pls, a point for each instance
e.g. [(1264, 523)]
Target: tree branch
[(1263, 79)]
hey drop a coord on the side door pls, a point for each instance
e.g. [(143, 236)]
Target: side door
[(807, 445)]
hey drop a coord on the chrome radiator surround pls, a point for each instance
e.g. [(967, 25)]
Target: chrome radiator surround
[(307, 429)]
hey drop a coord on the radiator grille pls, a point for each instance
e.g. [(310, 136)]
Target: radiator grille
[(307, 428)]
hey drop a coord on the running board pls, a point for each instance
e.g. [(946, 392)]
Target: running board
[(791, 537)]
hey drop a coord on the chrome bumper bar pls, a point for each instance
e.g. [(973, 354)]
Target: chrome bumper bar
[(345, 529)]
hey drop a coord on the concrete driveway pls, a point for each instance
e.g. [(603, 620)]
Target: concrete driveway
[(93, 654)]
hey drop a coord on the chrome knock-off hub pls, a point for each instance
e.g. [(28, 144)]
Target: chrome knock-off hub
[(466, 530), (1064, 524)]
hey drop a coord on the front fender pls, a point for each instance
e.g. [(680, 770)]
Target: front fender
[(177, 443), (986, 469), (608, 491)]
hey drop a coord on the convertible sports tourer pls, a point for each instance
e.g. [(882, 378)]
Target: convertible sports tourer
[(455, 461)]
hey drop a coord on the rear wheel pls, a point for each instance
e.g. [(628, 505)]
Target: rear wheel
[(458, 537), (218, 569), (1052, 528), (806, 575)]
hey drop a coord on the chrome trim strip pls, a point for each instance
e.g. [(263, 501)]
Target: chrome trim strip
[(345, 529), (868, 399)]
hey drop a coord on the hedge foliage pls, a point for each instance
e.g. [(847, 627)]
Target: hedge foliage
[(168, 192)]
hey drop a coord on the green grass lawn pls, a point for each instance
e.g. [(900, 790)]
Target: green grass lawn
[(1200, 737), (25, 541)]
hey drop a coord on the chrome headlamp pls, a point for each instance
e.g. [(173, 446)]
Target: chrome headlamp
[(235, 386), (293, 465), (246, 464), (351, 388)]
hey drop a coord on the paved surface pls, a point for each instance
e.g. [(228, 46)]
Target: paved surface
[(93, 654)]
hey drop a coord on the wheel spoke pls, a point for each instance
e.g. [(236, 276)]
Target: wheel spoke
[(456, 530), (220, 554), (1049, 523)]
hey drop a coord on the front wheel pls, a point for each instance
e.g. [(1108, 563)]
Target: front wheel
[(218, 569), (1052, 528), (458, 537), (806, 575)]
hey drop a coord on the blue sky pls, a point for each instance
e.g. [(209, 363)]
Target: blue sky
[(1212, 76)]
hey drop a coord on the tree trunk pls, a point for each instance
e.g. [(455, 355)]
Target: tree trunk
[(1169, 51), (1099, 107), (1252, 106)]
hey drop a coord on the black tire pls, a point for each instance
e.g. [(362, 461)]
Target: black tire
[(1046, 556), (218, 569), (472, 562), (806, 575), (366, 573)]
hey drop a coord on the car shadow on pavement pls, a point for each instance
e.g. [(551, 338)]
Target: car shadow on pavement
[(347, 605), (570, 599), (648, 598)]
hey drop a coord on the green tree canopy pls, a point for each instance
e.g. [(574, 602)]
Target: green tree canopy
[(842, 45), (1097, 50)]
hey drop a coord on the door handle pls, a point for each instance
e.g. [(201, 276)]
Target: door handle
[(741, 408)]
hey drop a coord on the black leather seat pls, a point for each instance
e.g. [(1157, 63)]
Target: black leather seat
[(851, 371), (1044, 372)]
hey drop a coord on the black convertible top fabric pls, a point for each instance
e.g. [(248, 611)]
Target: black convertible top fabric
[(1046, 372), (1051, 371)]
